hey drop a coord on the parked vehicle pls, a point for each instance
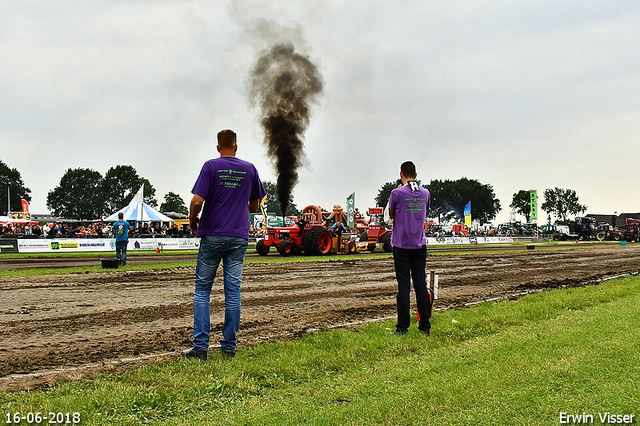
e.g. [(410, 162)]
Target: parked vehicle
[(585, 230), (632, 230)]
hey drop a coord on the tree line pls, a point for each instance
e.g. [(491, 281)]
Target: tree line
[(86, 194), (449, 198)]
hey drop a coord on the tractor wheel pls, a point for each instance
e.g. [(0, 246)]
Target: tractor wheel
[(285, 248), (307, 241), (601, 236), (385, 239), (262, 249), (317, 241), (371, 247), (616, 237), (351, 247)]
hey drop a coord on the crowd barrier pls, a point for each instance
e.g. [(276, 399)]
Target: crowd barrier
[(108, 244), (104, 244)]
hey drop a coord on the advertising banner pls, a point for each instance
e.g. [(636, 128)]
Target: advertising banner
[(100, 244), (534, 204), (8, 246), (351, 210)]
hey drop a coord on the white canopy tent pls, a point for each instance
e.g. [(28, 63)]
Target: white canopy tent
[(138, 211)]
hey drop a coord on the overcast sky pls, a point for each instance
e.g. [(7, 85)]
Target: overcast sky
[(515, 94)]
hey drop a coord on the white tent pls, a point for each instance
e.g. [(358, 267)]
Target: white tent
[(138, 211)]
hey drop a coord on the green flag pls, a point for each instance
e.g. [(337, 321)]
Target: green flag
[(351, 207), (534, 204)]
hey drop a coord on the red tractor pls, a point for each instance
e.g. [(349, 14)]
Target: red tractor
[(377, 233), (632, 230), (307, 234)]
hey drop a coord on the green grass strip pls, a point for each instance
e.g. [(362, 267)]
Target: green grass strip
[(513, 362)]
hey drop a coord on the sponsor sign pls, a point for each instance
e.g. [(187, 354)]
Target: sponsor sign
[(8, 246), (95, 244), (189, 243), (534, 204), (467, 240), (351, 206)]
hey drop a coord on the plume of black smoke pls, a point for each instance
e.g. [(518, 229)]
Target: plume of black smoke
[(284, 83)]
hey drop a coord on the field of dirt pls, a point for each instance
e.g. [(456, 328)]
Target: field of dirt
[(59, 327)]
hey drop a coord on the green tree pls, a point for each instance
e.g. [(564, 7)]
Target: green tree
[(121, 183), (561, 203), (11, 178), (451, 197), (521, 201), (273, 205), (174, 203), (385, 192), (78, 196)]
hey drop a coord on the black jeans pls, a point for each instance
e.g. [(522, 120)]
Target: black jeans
[(412, 263)]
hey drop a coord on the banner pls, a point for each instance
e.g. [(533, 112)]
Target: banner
[(534, 204), (351, 207), (467, 214), (8, 246), (37, 245)]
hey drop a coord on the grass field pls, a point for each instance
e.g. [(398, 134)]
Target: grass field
[(525, 362)]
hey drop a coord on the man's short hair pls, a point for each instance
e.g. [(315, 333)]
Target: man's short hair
[(227, 139), (408, 169), (120, 215)]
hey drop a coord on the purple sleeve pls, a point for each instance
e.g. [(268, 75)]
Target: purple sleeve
[(203, 183), (257, 191), (392, 200)]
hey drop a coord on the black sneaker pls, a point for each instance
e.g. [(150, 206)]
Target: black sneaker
[(228, 354), (194, 353), (401, 331)]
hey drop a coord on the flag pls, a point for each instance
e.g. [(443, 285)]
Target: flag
[(351, 207), (137, 201), (467, 214), (534, 204), (25, 206)]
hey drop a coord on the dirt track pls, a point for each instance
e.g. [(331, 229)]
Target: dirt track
[(68, 326)]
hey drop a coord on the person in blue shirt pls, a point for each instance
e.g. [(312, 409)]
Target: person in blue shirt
[(121, 232)]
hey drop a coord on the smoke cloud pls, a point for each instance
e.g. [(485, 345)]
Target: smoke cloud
[(284, 83)]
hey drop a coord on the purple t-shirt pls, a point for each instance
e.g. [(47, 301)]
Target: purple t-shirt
[(227, 184), (410, 211)]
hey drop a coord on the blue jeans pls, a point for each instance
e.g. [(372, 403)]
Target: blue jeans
[(213, 249), (121, 251), (412, 263)]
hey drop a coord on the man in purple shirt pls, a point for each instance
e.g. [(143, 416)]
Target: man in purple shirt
[(408, 206), (230, 189)]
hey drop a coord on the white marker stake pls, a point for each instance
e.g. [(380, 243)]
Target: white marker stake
[(435, 286)]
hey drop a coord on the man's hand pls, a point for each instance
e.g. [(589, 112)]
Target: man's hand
[(194, 209), (193, 224)]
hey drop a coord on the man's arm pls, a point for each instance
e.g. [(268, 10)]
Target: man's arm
[(194, 209), (392, 213), (254, 205)]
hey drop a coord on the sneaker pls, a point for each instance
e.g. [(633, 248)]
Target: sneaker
[(194, 353), (426, 332), (400, 331), (228, 354)]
